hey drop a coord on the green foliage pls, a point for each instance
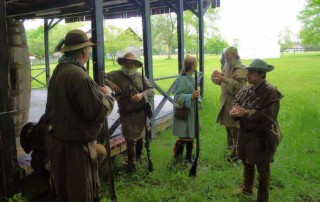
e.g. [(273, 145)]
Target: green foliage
[(215, 45), (310, 18), (35, 38), (17, 198), (163, 40), (118, 40)]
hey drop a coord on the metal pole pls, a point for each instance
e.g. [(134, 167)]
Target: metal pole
[(201, 44), (98, 38), (98, 74), (46, 49), (180, 29), (147, 50)]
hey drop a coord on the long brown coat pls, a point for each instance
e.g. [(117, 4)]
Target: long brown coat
[(259, 135), (75, 111), (132, 116), (235, 80)]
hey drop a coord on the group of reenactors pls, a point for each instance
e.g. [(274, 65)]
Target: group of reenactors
[(77, 108)]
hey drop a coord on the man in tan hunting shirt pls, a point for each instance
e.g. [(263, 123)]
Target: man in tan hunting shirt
[(132, 96), (231, 80)]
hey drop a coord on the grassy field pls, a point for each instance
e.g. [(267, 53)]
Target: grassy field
[(295, 174)]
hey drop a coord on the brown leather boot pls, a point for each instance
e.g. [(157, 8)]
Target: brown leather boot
[(131, 152), (139, 148), (248, 179), (229, 138), (264, 182), (189, 148), (178, 149)]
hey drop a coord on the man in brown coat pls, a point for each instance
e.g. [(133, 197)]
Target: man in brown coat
[(131, 96), (256, 106), (231, 80), (76, 108)]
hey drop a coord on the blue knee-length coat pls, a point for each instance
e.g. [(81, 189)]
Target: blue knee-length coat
[(184, 86)]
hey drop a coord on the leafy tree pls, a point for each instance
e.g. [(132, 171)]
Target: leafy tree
[(285, 38), (215, 45), (118, 40), (163, 31), (35, 38), (310, 18)]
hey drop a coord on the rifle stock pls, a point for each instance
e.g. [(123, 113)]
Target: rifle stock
[(193, 170), (147, 129)]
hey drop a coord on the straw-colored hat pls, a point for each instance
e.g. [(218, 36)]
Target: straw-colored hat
[(129, 56), (259, 65), (75, 39), (232, 50)]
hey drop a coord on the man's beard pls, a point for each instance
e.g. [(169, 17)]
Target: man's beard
[(129, 71), (230, 64)]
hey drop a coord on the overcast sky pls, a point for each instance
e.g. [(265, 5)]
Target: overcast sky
[(239, 19)]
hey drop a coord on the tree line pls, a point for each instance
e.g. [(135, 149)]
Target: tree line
[(163, 31)]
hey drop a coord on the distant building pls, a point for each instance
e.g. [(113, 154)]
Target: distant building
[(262, 47)]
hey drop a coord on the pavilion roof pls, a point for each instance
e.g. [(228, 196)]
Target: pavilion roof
[(78, 10)]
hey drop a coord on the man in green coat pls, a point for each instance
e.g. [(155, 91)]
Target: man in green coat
[(231, 79), (132, 90), (75, 111), (256, 106)]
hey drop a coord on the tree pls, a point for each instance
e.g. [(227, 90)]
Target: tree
[(285, 38), (35, 38), (164, 29), (310, 18), (191, 29), (118, 40), (215, 45)]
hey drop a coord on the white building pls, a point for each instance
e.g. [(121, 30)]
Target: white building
[(259, 47)]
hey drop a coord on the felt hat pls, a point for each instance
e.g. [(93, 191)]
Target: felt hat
[(232, 50), (129, 56), (259, 65), (75, 39)]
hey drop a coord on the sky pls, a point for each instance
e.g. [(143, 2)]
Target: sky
[(239, 19)]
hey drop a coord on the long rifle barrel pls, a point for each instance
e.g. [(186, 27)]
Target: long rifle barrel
[(147, 129), (113, 196), (193, 170)]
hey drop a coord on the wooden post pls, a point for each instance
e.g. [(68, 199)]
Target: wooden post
[(8, 154)]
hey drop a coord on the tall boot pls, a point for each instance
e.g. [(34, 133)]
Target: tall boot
[(189, 148), (248, 179), (235, 135), (229, 138), (131, 152), (178, 149), (139, 148), (264, 182)]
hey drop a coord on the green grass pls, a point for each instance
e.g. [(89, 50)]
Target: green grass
[(295, 174)]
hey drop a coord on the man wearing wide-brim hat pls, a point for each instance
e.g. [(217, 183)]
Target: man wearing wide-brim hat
[(256, 106), (76, 108), (133, 90), (231, 79)]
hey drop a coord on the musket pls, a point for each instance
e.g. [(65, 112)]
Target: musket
[(147, 129), (193, 170), (106, 134)]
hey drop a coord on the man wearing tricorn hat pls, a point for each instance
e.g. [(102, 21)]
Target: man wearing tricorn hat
[(133, 90), (76, 108), (231, 80), (256, 106)]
